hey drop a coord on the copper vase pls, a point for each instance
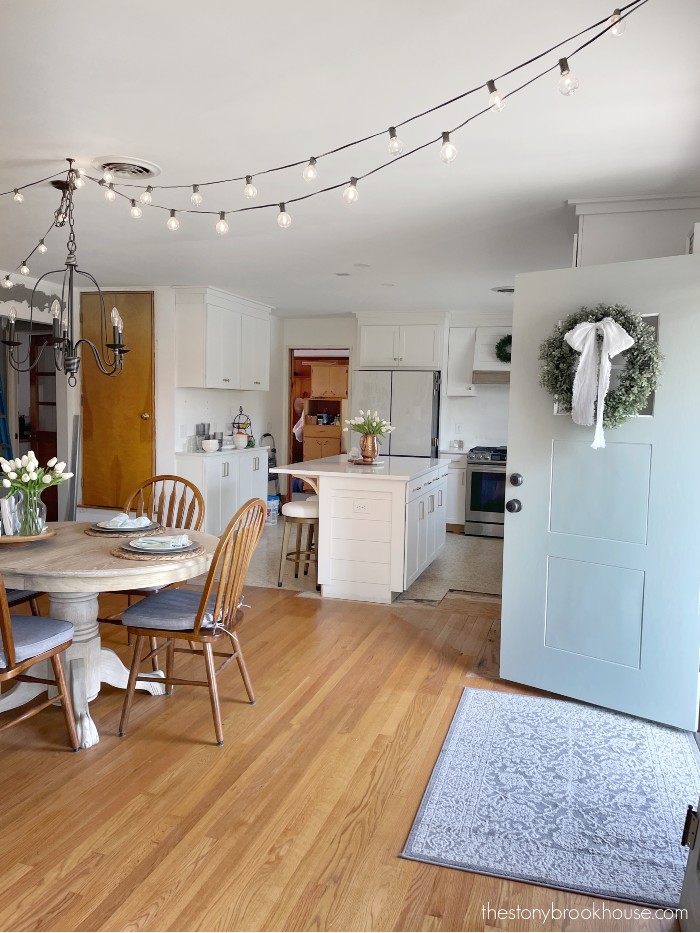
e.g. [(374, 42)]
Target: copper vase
[(369, 447)]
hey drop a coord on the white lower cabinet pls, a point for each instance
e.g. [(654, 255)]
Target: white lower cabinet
[(226, 481), (456, 495), (426, 516)]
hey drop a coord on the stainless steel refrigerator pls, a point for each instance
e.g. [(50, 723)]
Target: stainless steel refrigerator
[(409, 399)]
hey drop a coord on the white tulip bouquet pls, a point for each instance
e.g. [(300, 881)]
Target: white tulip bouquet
[(26, 476), (368, 423)]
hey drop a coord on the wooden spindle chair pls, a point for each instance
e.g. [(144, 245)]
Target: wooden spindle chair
[(196, 624)]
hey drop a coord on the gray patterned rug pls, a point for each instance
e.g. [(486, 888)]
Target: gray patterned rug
[(560, 794)]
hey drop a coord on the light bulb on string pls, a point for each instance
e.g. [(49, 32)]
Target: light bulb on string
[(283, 218), (146, 197), (221, 224), (136, 211), (250, 191), (78, 180), (448, 150), (617, 23), (568, 82), (42, 247), (7, 282), (351, 194), (310, 172), (110, 193), (395, 144), (172, 222), (19, 197), (496, 102), (24, 268), (107, 176), (196, 198)]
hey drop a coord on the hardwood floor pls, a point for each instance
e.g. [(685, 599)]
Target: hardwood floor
[(297, 822)]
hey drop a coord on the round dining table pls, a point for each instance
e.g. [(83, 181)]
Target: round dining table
[(74, 568)]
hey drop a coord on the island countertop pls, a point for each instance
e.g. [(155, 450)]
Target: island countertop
[(389, 468)]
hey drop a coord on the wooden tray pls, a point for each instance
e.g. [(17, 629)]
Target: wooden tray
[(26, 539)]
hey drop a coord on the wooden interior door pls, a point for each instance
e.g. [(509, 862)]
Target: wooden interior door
[(118, 412), (42, 414)]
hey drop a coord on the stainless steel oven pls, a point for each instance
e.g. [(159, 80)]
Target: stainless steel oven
[(486, 497)]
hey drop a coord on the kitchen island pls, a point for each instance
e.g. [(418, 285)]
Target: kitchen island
[(380, 525)]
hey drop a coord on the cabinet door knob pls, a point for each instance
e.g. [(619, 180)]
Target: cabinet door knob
[(516, 479), (514, 505)]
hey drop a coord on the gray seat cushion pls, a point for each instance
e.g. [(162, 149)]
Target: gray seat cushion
[(14, 597), (34, 635), (171, 609)]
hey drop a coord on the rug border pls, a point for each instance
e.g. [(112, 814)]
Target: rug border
[(693, 741)]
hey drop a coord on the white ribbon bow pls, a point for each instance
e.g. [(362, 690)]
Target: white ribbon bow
[(592, 379)]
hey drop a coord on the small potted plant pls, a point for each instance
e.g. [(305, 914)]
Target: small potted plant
[(371, 429)]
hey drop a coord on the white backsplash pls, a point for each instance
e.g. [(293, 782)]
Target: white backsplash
[(481, 420), (218, 407)]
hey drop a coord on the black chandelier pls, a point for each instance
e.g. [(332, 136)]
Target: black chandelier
[(109, 357)]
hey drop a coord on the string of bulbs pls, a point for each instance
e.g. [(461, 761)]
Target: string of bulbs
[(568, 85)]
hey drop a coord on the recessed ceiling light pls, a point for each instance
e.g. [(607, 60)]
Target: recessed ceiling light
[(388, 284), (342, 273), (503, 289), (361, 265)]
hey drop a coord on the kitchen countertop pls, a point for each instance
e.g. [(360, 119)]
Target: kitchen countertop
[(390, 468)]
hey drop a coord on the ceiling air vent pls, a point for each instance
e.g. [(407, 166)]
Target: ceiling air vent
[(127, 169), (504, 289)]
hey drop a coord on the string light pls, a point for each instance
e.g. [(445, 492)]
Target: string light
[(146, 197), (136, 211), (351, 194), (78, 180), (110, 193), (7, 282), (221, 225), (42, 247), (395, 144), (250, 191), (196, 198), (617, 23), (107, 176), (283, 218), (172, 222), (568, 82), (19, 197), (310, 173), (448, 150), (496, 102), (24, 268)]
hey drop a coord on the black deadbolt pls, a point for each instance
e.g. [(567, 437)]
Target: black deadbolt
[(514, 505)]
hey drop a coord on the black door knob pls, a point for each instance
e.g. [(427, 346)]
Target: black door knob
[(514, 505), (516, 479)]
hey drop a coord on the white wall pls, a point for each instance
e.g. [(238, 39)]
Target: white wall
[(481, 419)]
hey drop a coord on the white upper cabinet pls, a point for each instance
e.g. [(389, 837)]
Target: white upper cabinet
[(223, 342), (398, 345), (255, 352), (485, 359), (460, 361)]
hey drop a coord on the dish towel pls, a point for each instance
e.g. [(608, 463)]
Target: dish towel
[(592, 379), (161, 543), (122, 520)]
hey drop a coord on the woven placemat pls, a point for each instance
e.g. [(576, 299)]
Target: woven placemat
[(183, 555), (124, 535)]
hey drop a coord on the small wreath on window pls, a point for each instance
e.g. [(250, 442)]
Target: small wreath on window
[(637, 379), (503, 348)]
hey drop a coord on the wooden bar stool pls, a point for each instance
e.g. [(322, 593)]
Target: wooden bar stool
[(300, 514)]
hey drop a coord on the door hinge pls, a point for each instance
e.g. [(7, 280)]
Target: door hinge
[(690, 828)]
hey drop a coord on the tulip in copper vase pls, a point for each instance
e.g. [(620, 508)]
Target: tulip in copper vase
[(371, 429), (27, 480)]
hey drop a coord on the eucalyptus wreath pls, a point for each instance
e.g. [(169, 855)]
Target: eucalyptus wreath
[(637, 379), (503, 348)]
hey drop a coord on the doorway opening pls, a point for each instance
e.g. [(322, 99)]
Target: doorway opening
[(317, 407)]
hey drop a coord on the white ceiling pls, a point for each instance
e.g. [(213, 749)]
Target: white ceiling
[(218, 88)]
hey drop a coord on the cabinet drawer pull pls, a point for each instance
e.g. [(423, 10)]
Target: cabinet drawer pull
[(256, 382), (416, 489)]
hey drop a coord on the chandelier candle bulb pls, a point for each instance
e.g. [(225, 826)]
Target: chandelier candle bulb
[(19, 197), (56, 319), (196, 198), (146, 197), (310, 173), (496, 102), (395, 144), (448, 150), (12, 318), (250, 191)]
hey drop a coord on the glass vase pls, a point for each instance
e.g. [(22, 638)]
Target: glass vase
[(31, 512), (369, 447)]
